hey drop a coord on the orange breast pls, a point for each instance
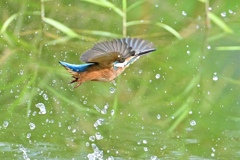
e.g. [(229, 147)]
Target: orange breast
[(98, 73)]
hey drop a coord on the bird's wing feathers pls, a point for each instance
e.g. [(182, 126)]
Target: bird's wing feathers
[(116, 50), (139, 45)]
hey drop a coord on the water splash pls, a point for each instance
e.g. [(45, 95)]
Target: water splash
[(184, 13), (24, 151), (42, 108), (45, 96), (5, 124), (32, 126), (98, 136), (215, 77), (97, 153), (193, 123), (157, 76), (99, 122), (104, 110), (112, 90)]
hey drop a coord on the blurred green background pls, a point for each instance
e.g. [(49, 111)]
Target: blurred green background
[(180, 102)]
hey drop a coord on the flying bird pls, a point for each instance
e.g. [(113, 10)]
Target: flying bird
[(106, 60)]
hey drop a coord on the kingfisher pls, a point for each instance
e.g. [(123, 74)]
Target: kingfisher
[(107, 60)]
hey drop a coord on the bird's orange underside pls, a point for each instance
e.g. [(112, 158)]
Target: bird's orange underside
[(95, 73)]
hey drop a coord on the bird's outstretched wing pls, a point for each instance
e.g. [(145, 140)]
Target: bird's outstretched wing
[(116, 50)]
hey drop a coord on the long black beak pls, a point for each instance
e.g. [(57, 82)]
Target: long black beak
[(146, 51)]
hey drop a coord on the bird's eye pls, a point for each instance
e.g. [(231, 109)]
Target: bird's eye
[(132, 53)]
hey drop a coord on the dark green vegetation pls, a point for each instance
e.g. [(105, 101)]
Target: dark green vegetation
[(182, 101)]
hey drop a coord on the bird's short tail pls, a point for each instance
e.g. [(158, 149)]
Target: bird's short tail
[(75, 70), (76, 67)]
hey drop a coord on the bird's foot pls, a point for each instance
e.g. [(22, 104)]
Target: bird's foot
[(75, 80), (79, 83)]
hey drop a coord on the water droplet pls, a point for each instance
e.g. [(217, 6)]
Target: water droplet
[(112, 90), (223, 14), (32, 126), (41, 93), (104, 110), (112, 112), (21, 72), (140, 71), (97, 153), (5, 124), (144, 141), (24, 152), (193, 123), (92, 138), (98, 136), (110, 157), (158, 76), (145, 149), (34, 113), (28, 135), (208, 47), (87, 144), (215, 77), (42, 108), (74, 130), (188, 52), (184, 13), (213, 149), (99, 122), (45, 96), (158, 116), (156, 5), (97, 108), (154, 158)]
